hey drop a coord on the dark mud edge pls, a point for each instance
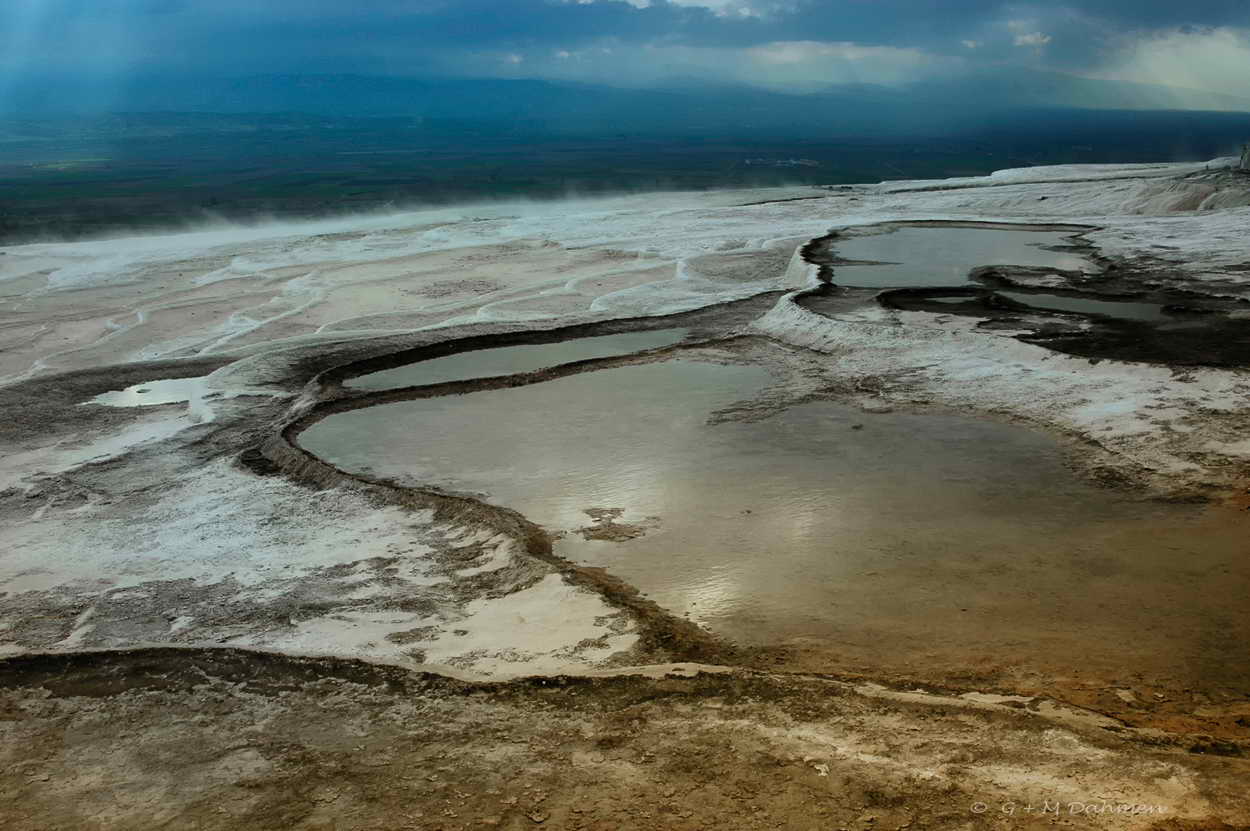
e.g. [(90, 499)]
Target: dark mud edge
[(46, 405), (107, 674), (1221, 342)]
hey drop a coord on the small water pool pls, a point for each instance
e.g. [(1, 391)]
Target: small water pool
[(151, 393), (1119, 309), (945, 256), (510, 360)]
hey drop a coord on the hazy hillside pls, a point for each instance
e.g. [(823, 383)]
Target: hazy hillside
[(572, 108), (316, 145)]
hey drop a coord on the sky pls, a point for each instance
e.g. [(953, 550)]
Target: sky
[(796, 45)]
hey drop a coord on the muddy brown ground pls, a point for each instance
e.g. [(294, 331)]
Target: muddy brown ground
[(222, 739)]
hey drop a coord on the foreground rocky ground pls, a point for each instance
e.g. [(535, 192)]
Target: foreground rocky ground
[(194, 739), (163, 564)]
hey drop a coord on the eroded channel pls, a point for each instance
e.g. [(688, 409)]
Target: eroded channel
[(885, 543)]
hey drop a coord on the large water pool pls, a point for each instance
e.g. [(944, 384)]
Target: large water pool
[(893, 541)]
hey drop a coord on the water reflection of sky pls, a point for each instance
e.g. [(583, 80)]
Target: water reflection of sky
[(913, 532), (797, 525), (509, 360), (167, 391), (944, 256), (1123, 309)]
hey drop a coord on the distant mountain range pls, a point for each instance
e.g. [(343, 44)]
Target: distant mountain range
[(548, 107)]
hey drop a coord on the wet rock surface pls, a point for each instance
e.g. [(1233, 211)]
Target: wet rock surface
[(1175, 330), (1113, 310)]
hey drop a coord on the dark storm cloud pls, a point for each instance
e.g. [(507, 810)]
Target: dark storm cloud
[(103, 37)]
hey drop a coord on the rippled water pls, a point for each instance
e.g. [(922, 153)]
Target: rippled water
[(891, 540), (944, 256)]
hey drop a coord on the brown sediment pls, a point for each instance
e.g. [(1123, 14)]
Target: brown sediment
[(606, 527), (106, 673), (226, 739), (1206, 720)]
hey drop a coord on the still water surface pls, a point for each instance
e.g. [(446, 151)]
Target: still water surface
[(887, 540), (945, 256), (510, 360)]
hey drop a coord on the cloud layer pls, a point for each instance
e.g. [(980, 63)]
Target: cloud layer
[(1215, 59), (800, 44)]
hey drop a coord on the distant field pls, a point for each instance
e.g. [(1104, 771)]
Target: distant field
[(76, 178)]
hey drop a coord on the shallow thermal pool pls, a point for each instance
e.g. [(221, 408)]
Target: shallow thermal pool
[(510, 360), (945, 256), (1120, 309), (887, 540), (151, 393), (1047, 302)]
